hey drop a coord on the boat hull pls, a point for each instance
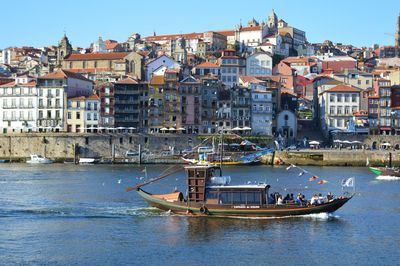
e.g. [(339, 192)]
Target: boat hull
[(384, 171), (180, 207)]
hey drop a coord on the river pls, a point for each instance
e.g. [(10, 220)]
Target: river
[(81, 215)]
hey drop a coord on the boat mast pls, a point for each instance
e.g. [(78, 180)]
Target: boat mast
[(390, 160), (222, 152)]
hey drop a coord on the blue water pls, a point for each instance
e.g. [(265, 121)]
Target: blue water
[(81, 215)]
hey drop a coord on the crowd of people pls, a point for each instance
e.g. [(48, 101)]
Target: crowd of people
[(316, 199)]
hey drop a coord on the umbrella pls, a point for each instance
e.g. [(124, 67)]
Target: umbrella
[(236, 128), (356, 141), (386, 144), (337, 140), (131, 127), (181, 128), (163, 129), (120, 127), (247, 128), (171, 129), (314, 142)]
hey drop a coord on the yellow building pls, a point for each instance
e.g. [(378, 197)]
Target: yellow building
[(155, 114), (76, 114)]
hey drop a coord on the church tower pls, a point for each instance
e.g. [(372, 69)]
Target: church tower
[(272, 22), (64, 48), (397, 32)]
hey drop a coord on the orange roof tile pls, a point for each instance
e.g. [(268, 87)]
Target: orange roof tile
[(168, 37), (207, 65), (12, 84), (93, 97), (96, 56), (157, 80), (61, 74), (343, 88)]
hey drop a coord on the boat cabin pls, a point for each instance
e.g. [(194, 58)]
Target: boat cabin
[(206, 187)]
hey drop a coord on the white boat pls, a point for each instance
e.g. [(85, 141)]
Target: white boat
[(88, 161), (39, 159)]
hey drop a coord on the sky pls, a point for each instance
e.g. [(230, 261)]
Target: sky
[(41, 23)]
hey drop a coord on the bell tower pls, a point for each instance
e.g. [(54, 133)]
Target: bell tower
[(64, 48)]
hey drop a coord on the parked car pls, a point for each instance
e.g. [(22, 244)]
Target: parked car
[(291, 147)]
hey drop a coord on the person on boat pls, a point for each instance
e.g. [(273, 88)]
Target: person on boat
[(280, 200), (314, 200), (291, 198), (286, 198), (271, 199), (299, 199), (329, 197), (321, 199)]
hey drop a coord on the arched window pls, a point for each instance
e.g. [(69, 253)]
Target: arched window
[(286, 117)]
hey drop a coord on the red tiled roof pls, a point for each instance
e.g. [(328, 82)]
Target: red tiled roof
[(93, 97), (61, 74), (96, 56), (227, 32), (12, 84), (111, 45), (89, 70), (78, 98), (207, 65), (343, 88), (157, 80)]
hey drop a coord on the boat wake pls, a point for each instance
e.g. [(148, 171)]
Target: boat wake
[(316, 217), (90, 212), (387, 177)]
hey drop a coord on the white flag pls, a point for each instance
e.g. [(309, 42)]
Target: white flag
[(367, 161), (349, 182)]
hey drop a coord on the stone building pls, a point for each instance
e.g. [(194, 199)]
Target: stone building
[(64, 49), (106, 95), (190, 93), (240, 107), (209, 100)]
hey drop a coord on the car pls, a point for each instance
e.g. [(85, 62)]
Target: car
[(291, 147)]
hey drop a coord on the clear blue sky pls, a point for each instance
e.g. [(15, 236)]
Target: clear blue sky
[(42, 22)]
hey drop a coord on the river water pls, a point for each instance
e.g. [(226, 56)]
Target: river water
[(81, 215)]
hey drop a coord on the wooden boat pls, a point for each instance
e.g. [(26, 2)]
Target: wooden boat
[(210, 195), (386, 171)]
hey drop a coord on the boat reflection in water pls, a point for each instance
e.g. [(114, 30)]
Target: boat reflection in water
[(211, 195)]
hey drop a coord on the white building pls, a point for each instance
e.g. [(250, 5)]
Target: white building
[(231, 67), (99, 46), (18, 109), (286, 126), (261, 111), (54, 89), (92, 106), (162, 62), (259, 64), (337, 106)]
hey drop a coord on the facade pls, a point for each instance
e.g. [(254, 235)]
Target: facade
[(241, 107), (190, 93), (259, 64), (92, 113), (76, 114), (96, 65), (231, 67), (53, 91), (164, 62), (155, 105), (286, 126), (106, 95), (172, 112), (337, 106), (261, 112), (224, 111), (209, 100), (127, 94), (207, 68), (18, 109), (373, 114)]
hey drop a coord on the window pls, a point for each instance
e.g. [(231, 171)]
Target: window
[(353, 98), (331, 98), (78, 115), (346, 98), (88, 116), (332, 110), (339, 97), (69, 115), (58, 114), (339, 110), (347, 110), (78, 104)]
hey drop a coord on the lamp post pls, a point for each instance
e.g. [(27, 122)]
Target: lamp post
[(392, 120)]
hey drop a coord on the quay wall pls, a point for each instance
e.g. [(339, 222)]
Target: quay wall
[(59, 146), (337, 157)]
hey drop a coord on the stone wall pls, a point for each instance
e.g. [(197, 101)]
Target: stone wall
[(61, 146)]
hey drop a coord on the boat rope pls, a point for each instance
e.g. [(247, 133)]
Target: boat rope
[(171, 170)]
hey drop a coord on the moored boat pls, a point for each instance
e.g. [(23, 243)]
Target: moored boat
[(39, 159), (211, 195), (386, 171)]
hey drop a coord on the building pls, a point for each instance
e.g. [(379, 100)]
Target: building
[(397, 34), (259, 64), (92, 113), (127, 94), (224, 123), (286, 127), (209, 101), (155, 105), (337, 106), (385, 107), (64, 49), (76, 114), (206, 68), (373, 114), (159, 65), (53, 91), (190, 93), (97, 65), (261, 111), (231, 67), (359, 124), (18, 109), (241, 107), (106, 95), (172, 110)]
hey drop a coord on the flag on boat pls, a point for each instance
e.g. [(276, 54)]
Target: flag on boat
[(367, 161), (314, 177), (348, 182), (322, 182), (144, 170)]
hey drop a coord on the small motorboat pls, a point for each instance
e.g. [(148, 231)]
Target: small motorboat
[(39, 159), (86, 161), (211, 195), (389, 170)]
